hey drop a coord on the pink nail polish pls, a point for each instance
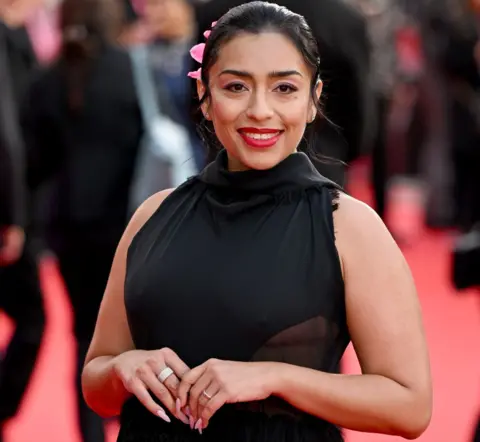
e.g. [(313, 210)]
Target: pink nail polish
[(161, 414), (192, 422), (180, 413), (198, 426)]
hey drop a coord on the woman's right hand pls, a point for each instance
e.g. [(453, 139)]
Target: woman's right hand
[(139, 370)]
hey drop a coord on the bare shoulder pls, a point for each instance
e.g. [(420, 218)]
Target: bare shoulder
[(354, 218), (144, 212), (360, 231)]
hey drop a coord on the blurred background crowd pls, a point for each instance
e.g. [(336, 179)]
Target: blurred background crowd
[(98, 112)]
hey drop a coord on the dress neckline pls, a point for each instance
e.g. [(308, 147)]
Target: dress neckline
[(294, 171)]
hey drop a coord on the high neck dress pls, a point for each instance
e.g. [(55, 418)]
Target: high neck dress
[(240, 266)]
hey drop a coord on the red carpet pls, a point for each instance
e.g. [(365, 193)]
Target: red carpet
[(453, 329)]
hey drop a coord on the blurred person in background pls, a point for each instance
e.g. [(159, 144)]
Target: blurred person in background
[(82, 126), (20, 294), (384, 19), (343, 40), (172, 28)]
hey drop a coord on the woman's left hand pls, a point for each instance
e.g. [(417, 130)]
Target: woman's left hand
[(207, 387)]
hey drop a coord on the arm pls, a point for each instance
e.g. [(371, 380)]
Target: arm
[(104, 392), (394, 394)]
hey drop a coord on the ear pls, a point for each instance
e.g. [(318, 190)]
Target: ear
[(318, 94), (318, 89), (201, 92)]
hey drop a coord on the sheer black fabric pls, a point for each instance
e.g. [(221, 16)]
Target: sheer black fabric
[(240, 266)]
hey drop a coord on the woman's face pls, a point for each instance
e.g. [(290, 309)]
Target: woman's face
[(169, 19), (260, 100)]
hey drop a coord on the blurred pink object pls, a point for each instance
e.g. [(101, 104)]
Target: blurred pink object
[(197, 75), (197, 52), (406, 208), (138, 6), (45, 34)]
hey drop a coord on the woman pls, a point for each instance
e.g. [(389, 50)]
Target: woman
[(83, 127), (232, 298)]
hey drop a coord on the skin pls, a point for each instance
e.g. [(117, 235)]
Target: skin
[(169, 19), (15, 13), (275, 99), (11, 245), (392, 396)]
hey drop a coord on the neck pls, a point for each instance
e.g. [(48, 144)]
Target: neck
[(235, 165)]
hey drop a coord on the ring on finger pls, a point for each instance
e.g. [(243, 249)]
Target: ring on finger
[(207, 395), (165, 374)]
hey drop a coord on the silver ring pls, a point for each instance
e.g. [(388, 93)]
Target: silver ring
[(164, 374), (206, 394)]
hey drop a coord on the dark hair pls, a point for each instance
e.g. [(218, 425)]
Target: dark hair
[(87, 26), (257, 17)]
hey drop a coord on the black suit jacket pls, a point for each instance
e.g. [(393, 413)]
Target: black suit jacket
[(342, 36), (12, 191)]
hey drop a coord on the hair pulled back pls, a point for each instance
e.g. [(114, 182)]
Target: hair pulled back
[(254, 18)]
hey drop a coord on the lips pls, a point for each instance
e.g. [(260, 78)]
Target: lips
[(260, 137)]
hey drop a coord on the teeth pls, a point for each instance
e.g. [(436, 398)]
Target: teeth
[(261, 136)]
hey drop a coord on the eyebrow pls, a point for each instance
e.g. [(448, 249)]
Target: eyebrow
[(274, 74)]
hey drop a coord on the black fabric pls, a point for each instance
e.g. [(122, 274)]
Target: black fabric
[(17, 62), (240, 266), (476, 436), (90, 155), (21, 300)]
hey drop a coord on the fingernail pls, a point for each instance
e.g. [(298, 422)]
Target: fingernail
[(198, 426), (187, 411), (163, 415), (184, 419), (192, 422), (178, 405), (179, 413)]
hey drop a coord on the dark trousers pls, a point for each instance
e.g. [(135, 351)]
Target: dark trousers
[(85, 266), (21, 299), (476, 436)]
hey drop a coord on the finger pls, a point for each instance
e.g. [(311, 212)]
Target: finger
[(138, 388), (186, 383), (171, 382), (175, 363), (212, 406), (206, 396), (196, 397), (162, 393)]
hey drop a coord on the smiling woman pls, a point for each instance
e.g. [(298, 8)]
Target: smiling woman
[(232, 298), (259, 98)]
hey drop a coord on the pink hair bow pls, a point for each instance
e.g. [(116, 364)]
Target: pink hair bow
[(197, 54)]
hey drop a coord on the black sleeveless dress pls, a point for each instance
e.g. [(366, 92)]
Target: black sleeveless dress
[(240, 266)]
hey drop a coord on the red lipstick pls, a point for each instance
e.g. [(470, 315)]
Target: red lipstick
[(260, 138)]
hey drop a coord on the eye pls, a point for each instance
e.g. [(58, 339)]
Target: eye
[(235, 87), (286, 88)]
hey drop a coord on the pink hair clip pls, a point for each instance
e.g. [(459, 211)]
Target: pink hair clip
[(197, 54)]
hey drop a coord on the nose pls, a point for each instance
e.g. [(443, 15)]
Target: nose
[(259, 109)]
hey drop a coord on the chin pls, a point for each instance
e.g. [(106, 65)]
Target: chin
[(261, 159)]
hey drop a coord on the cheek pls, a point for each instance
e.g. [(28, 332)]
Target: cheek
[(225, 110), (294, 114)]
